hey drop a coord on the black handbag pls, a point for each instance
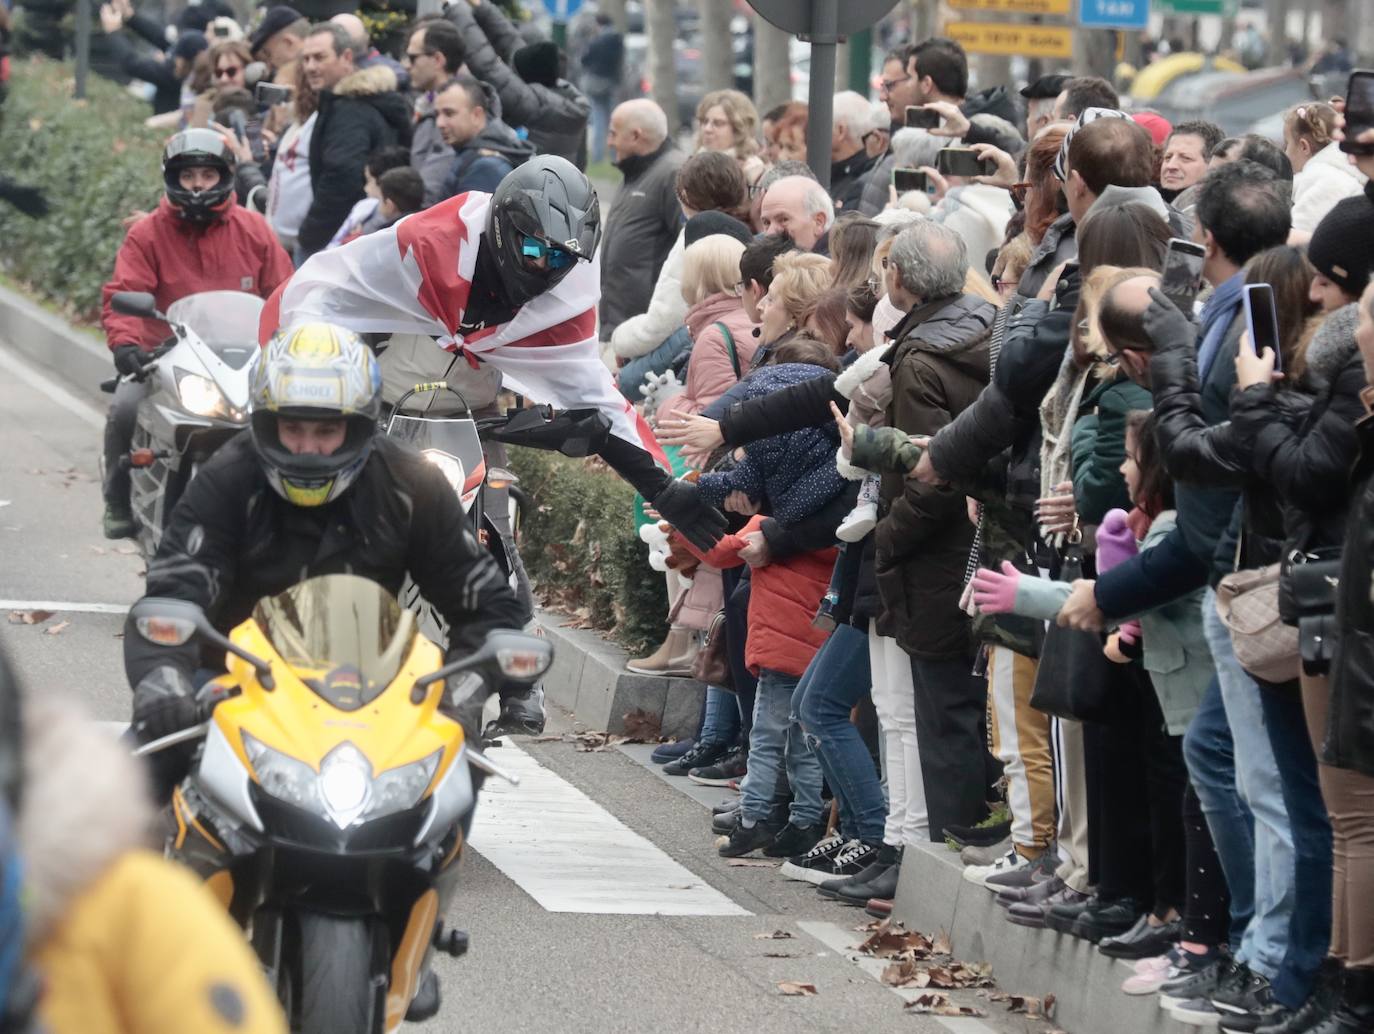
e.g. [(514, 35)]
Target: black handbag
[(1074, 679), (1310, 580)]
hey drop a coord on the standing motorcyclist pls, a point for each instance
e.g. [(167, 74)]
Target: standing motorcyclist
[(311, 489), (508, 279), (198, 239)]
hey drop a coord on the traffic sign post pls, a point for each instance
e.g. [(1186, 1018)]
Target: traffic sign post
[(823, 23), (1114, 14), (560, 11)]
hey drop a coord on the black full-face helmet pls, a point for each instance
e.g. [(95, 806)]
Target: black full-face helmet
[(544, 218), (198, 148)]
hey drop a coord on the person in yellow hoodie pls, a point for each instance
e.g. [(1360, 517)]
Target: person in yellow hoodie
[(121, 941)]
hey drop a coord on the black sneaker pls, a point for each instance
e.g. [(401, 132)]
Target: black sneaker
[(721, 773), (852, 859), (701, 754), (725, 821), (810, 865), (1324, 1001), (882, 860), (1107, 919), (1195, 983), (1267, 1015), (118, 522), (795, 840), (748, 839), (1244, 992)]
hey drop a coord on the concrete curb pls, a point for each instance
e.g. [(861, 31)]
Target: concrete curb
[(933, 895), (589, 680), (588, 677)]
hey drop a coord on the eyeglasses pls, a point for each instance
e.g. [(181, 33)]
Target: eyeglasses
[(1018, 194), (534, 248), (227, 73), (409, 56), (888, 84)]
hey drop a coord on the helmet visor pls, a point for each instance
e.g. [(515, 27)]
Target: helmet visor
[(534, 249)]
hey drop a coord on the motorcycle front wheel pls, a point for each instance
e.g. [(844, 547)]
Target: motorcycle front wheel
[(339, 992)]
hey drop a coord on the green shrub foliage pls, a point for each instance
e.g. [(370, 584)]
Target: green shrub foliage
[(96, 163)]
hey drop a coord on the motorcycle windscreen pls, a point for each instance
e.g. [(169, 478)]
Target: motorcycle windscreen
[(227, 321), (346, 637), (454, 437)]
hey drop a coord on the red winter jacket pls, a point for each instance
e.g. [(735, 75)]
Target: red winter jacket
[(172, 258), (782, 603)]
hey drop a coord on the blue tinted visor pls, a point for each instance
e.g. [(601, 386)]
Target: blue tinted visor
[(534, 248)]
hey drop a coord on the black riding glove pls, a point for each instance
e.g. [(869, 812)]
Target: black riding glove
[(681, 505), (164, 703), (29, 200), (130, 359)]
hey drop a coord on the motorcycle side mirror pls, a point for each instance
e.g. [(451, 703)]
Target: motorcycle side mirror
[(164, 621), (516, 656), (135, 303)]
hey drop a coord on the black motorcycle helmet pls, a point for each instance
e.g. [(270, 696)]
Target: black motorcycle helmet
[(543, 209), (198, 148)]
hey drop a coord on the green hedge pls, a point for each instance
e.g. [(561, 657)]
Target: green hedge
[(580, 548), (96, 163)]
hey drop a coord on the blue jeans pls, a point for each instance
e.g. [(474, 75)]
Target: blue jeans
[(1309, 931), (630, 379), (779, 756), (836, 680), (720, 727), (1257, 781), (600, 123)]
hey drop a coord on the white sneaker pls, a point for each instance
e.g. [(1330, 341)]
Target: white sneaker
[(858, 523), (1009, 862)]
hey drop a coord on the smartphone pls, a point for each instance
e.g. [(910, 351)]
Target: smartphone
[(918, 117), (909, 179), (1359, 111), (270, 94), (1262, 319), (1183, 273), (963, 162)]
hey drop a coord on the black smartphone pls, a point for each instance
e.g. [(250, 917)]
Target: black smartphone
[(270, 94), (1359, 111), (1182, 276), (909, 179), (918, 117), (1262, 320), (963, 162)]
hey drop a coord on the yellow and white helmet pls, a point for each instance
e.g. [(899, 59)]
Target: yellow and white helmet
[(315, 371)]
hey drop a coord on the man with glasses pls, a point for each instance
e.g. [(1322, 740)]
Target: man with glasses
[(433, 55)]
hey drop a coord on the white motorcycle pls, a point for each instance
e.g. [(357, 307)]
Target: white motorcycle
[(197, 396)]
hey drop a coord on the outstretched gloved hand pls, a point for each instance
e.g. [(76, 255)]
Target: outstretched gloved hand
[(680, 504), (994, 592)]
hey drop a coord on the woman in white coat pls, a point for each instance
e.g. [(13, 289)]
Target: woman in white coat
[(1323, 175)]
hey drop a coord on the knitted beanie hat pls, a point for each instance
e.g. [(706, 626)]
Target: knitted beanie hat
[(1339, 247)]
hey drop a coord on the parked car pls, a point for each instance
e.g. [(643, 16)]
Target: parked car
[(1236, 101)]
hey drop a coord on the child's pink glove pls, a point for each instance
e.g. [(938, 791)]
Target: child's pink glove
[(1115, 541), (1130, 632), (995, 593)]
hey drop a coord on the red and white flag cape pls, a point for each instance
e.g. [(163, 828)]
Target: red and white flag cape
[(414, 277)]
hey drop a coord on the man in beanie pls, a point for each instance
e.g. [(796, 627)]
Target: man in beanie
[(1040, 97), (533, 94), (1339, 251)]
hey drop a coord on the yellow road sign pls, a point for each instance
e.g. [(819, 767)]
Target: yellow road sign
[(1022, 40), (1060, 7)]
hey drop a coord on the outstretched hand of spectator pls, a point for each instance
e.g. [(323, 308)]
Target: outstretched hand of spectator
[(954, 122), (994, 592), (846, 432), (696, 432), (1006, 175), (740, 503), (1252, 369), (1080, 610)]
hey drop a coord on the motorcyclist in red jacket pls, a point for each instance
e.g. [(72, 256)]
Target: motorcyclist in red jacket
[(198, 239)]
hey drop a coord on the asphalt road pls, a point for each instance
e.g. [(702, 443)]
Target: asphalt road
[(529, 969)]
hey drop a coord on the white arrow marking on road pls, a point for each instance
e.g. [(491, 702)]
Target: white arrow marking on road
[(572, 855)]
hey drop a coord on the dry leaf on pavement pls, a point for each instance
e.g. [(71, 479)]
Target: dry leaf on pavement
[(57, 629), (941, 945), (791, 987), (640, 726), (888, 939), (776, 935), (1035, 1008), (781, 955), (29, 617), (937, 1004)]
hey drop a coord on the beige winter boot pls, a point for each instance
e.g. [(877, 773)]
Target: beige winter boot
[(662, 660)]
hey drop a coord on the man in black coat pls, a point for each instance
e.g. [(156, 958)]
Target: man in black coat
[(360, 112)]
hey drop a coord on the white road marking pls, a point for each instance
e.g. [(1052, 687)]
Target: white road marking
[(51, 388), (843, 942), (571, 855), (59, 606)]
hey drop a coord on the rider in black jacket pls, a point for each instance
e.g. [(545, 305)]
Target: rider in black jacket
[(311, 489)]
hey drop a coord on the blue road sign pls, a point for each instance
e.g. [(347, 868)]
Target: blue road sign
[(562, 10), (1114, 14)]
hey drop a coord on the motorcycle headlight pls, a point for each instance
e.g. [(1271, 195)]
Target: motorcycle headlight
[(283, 777), (200, 395), (448, 466), (344, 789)]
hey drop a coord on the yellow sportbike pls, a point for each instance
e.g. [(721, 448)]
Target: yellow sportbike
[(330, 795)]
